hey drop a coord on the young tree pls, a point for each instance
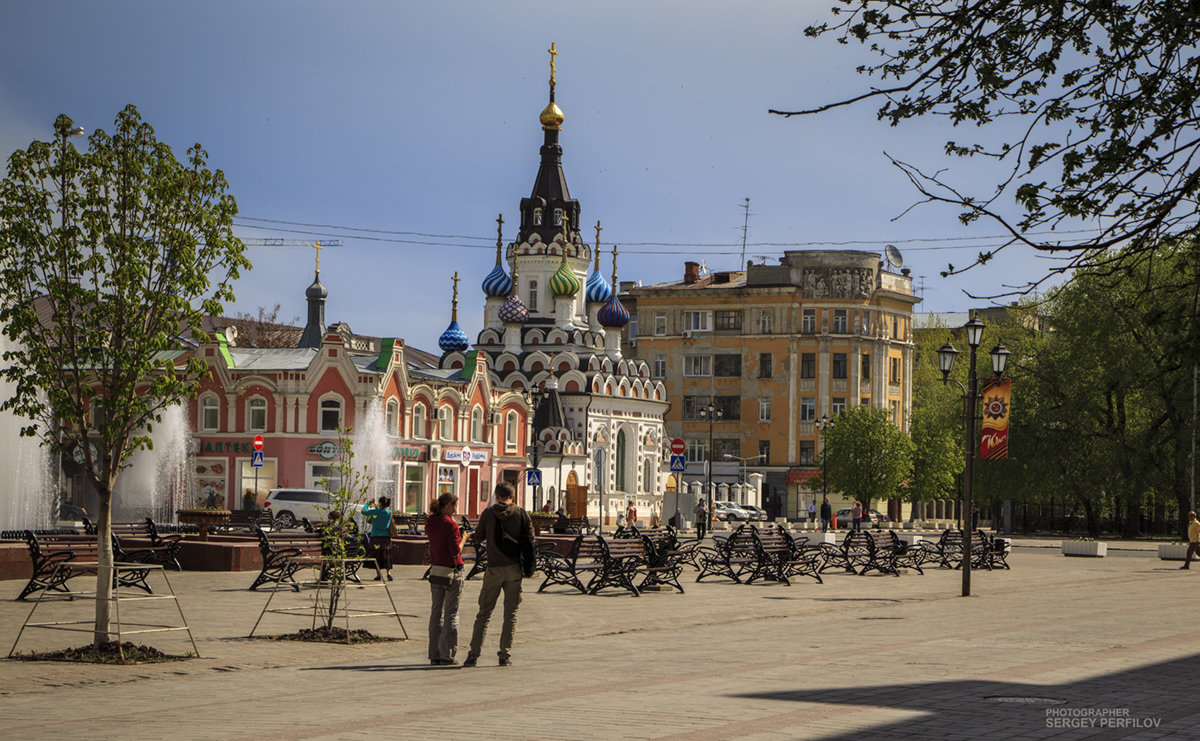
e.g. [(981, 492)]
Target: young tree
[(107, 258), (339, 537), (1094, 103), (869, 457)]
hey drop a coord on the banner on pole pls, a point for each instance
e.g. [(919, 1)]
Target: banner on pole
[(997, 403)]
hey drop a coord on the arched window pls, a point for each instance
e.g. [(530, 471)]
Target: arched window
[(445, 423), (477, 424), (391, 418), (558, 214), (537, 217), (512, 431), (533, 296), (210, 414), (331, 415), (256, 414), (418, 421), (649, 485), (620, 456)]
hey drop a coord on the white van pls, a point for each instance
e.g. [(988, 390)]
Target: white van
[(288, 506)]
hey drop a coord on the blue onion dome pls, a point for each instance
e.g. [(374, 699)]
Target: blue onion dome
[(497, 283), (454, 339), (613, 314), (564, 282), (598, 290), (514, 310)]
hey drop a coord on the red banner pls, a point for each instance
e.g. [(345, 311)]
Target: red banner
[(997, 403)]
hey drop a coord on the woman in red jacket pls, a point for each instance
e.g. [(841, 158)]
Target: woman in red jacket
[(445, 579)]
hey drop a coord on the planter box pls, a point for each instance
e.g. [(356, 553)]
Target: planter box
[(1088, 548), (1173, 551)]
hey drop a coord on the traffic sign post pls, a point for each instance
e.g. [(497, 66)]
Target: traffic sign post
[(678, 446), (533, 477), (678, 464), (256, 461)]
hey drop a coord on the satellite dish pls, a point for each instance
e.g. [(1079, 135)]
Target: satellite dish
[(893, 256)]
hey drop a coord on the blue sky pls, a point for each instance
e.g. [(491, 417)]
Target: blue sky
[(422, 118)]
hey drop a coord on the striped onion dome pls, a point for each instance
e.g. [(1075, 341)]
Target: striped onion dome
[(564, 282), (514, 310), (598, 290), (453, 339), (613, 314), (497, 283)]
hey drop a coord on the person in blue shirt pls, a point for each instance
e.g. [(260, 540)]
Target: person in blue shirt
[(380, 518)]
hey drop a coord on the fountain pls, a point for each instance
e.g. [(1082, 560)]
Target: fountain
[(26, 491), (155, 482), (373, 449)]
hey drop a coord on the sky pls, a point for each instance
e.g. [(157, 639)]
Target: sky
[(404, 128)]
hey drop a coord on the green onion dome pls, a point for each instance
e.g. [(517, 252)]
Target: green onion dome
[(564, 282)]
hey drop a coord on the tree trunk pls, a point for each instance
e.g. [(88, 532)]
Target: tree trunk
[(104, 574)]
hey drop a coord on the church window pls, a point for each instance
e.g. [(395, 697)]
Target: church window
[(537, 217), (558, 214), (620, 455), (533, 296), (512, 430)]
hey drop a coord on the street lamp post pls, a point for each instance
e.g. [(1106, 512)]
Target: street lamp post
[(712, 413), (535, 452), (946, 356), (823, 424), (535, 401)]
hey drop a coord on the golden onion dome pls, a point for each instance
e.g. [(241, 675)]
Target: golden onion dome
[(552, 116)]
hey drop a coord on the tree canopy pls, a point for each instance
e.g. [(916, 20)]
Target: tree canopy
[(109, 258), (1089, 107), (868, 456)]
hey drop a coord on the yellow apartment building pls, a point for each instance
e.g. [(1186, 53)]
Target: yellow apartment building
[(774, 348)]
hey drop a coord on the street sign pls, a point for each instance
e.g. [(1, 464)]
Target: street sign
[(257, 460), (258, 443), (678, 464), (533, 477), (678, 446)]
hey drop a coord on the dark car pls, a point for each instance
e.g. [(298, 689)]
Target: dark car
[(71, 512)]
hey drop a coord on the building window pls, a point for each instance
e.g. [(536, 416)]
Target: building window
[(660, 366), (697, 366), (894, 374), (764, 452), (619, 456), (808, 321), (865, 401), (839, 365), (730, 406), (256, 415), (723, 447), (765, 321), (331, 415), (512, 431), (764, 365), (728, 320), (896, 413), (896, 327), (727, 366), (808, 408), (445, 423), (692, 406), (477, 424), (808, 365), (866, 367), (210, 414), (391, 418), (697, 450), (558, 214), (649, 485), (533, 296), (807, 452), (839, 405), (865, 319), (697, 321), (764, 409), (841, 321), (537, 217), (660, 323), (418, 421)]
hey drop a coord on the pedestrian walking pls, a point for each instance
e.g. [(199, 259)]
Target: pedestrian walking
[(505, 521), (1193, 540), (826, 514), (445, 579), (630, 515), (380, 518), (856, 516), (812, 511), (701, 519)]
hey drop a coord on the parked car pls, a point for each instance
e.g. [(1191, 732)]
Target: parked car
[(730, 512), (870, 518), (288, 507), (71, 512), (756, 513)]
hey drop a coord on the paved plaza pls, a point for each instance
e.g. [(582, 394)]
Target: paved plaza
[(1056, 648)]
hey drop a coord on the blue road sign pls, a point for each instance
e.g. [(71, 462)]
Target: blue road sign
[(678, 464), (533, 477), (257, 460)]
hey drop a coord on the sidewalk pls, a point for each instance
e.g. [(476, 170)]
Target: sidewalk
[(1050, 649)]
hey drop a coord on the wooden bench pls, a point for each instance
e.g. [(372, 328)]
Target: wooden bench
[(582, 559), (851, 554), (244, 519), (948, 550), (53, 553), (163, 550), (777, 557), (283, 554), (729, 557)]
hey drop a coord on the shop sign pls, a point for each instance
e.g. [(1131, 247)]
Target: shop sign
[(406, 453), (227, 446), (466, 456), (326, 449)]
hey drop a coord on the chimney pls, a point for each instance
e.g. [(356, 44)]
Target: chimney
[(691, 272)]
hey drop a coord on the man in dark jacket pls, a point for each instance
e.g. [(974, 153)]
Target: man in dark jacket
[(826, 514), (503, 571)]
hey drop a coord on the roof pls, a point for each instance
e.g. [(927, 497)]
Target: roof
[(720, 280), (937, 320), (272, 358)]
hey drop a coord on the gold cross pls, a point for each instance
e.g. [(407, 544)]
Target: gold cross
[(614, 268), (598, 230), (455, 279), (318, 247), (553, 53), (566, 220)]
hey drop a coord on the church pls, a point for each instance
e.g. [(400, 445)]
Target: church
[(555, 330)]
